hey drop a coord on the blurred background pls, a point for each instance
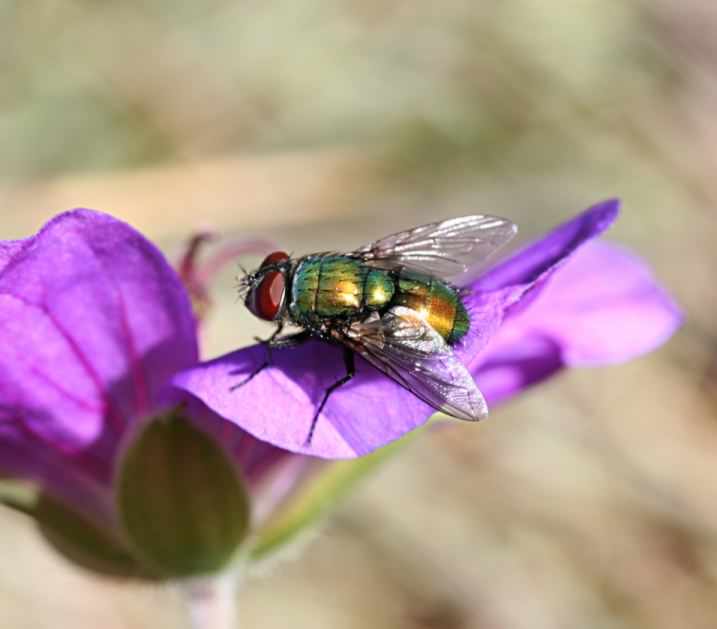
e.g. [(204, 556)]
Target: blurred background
[(589, 502)]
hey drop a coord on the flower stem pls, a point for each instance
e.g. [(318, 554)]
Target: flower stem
[(211, 602)]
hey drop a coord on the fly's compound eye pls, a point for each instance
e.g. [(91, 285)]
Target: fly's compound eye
[(275, 258), (267, 297)]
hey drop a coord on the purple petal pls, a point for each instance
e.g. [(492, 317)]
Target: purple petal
[(60, 476), (603, 307), (511, 347), (512, 365), (93, 323), (578, 303), (8, 248), (538, 260), (271, 474), (255, 458), (278, 404)]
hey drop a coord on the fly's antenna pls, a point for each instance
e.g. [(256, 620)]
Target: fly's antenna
[(243, 283)]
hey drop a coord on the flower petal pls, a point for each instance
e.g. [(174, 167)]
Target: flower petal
[(255, 458), (8, 248), (537, 261), (93, 322), (511, 365), (619, 312), (603, 307), (278, 404), (529, 322), (64, 480)]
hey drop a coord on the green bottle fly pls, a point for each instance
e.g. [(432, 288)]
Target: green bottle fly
[(393, 302), (325, 287)]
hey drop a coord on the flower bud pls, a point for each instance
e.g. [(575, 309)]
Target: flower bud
[(83, 542), (180, 501)]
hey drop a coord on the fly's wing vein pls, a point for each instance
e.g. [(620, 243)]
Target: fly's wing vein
[(445, 248), (404, 347)]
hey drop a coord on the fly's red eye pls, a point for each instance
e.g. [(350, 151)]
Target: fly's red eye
[(275, 258), (266, 299)]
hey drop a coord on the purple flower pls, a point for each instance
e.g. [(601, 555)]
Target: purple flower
[(566, 300), (94, 323)]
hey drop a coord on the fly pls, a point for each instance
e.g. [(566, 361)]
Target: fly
[(396, 302)]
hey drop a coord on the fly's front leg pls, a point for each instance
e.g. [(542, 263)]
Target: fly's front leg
[(267, 361), (350, 365), (273, 342)]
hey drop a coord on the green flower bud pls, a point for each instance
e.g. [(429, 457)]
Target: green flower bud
[(83, 543), (182, 504), (76, 536)]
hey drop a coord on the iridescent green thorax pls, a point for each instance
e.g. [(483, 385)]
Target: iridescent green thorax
[(329, 286), (337, 286)]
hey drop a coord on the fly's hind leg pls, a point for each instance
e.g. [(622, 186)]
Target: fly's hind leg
[(273, 342), (350, 365)]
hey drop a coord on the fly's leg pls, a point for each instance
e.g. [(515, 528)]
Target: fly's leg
[(273, 342), (350, 373), (267, 361)]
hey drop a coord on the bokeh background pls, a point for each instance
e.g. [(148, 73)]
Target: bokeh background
[(591, 501)]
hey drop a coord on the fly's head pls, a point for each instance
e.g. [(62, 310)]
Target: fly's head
[(264, 290)]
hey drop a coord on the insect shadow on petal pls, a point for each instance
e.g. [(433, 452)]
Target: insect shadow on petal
[(396, 302)]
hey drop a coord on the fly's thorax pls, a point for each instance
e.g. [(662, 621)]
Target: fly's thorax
[(436, 301), (332, 285)]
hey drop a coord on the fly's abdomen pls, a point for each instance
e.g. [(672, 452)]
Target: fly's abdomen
[(379, 289), (331, 286), (439, 303)]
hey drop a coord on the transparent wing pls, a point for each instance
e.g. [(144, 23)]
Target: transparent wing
[(445, 249), (403, 346)]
